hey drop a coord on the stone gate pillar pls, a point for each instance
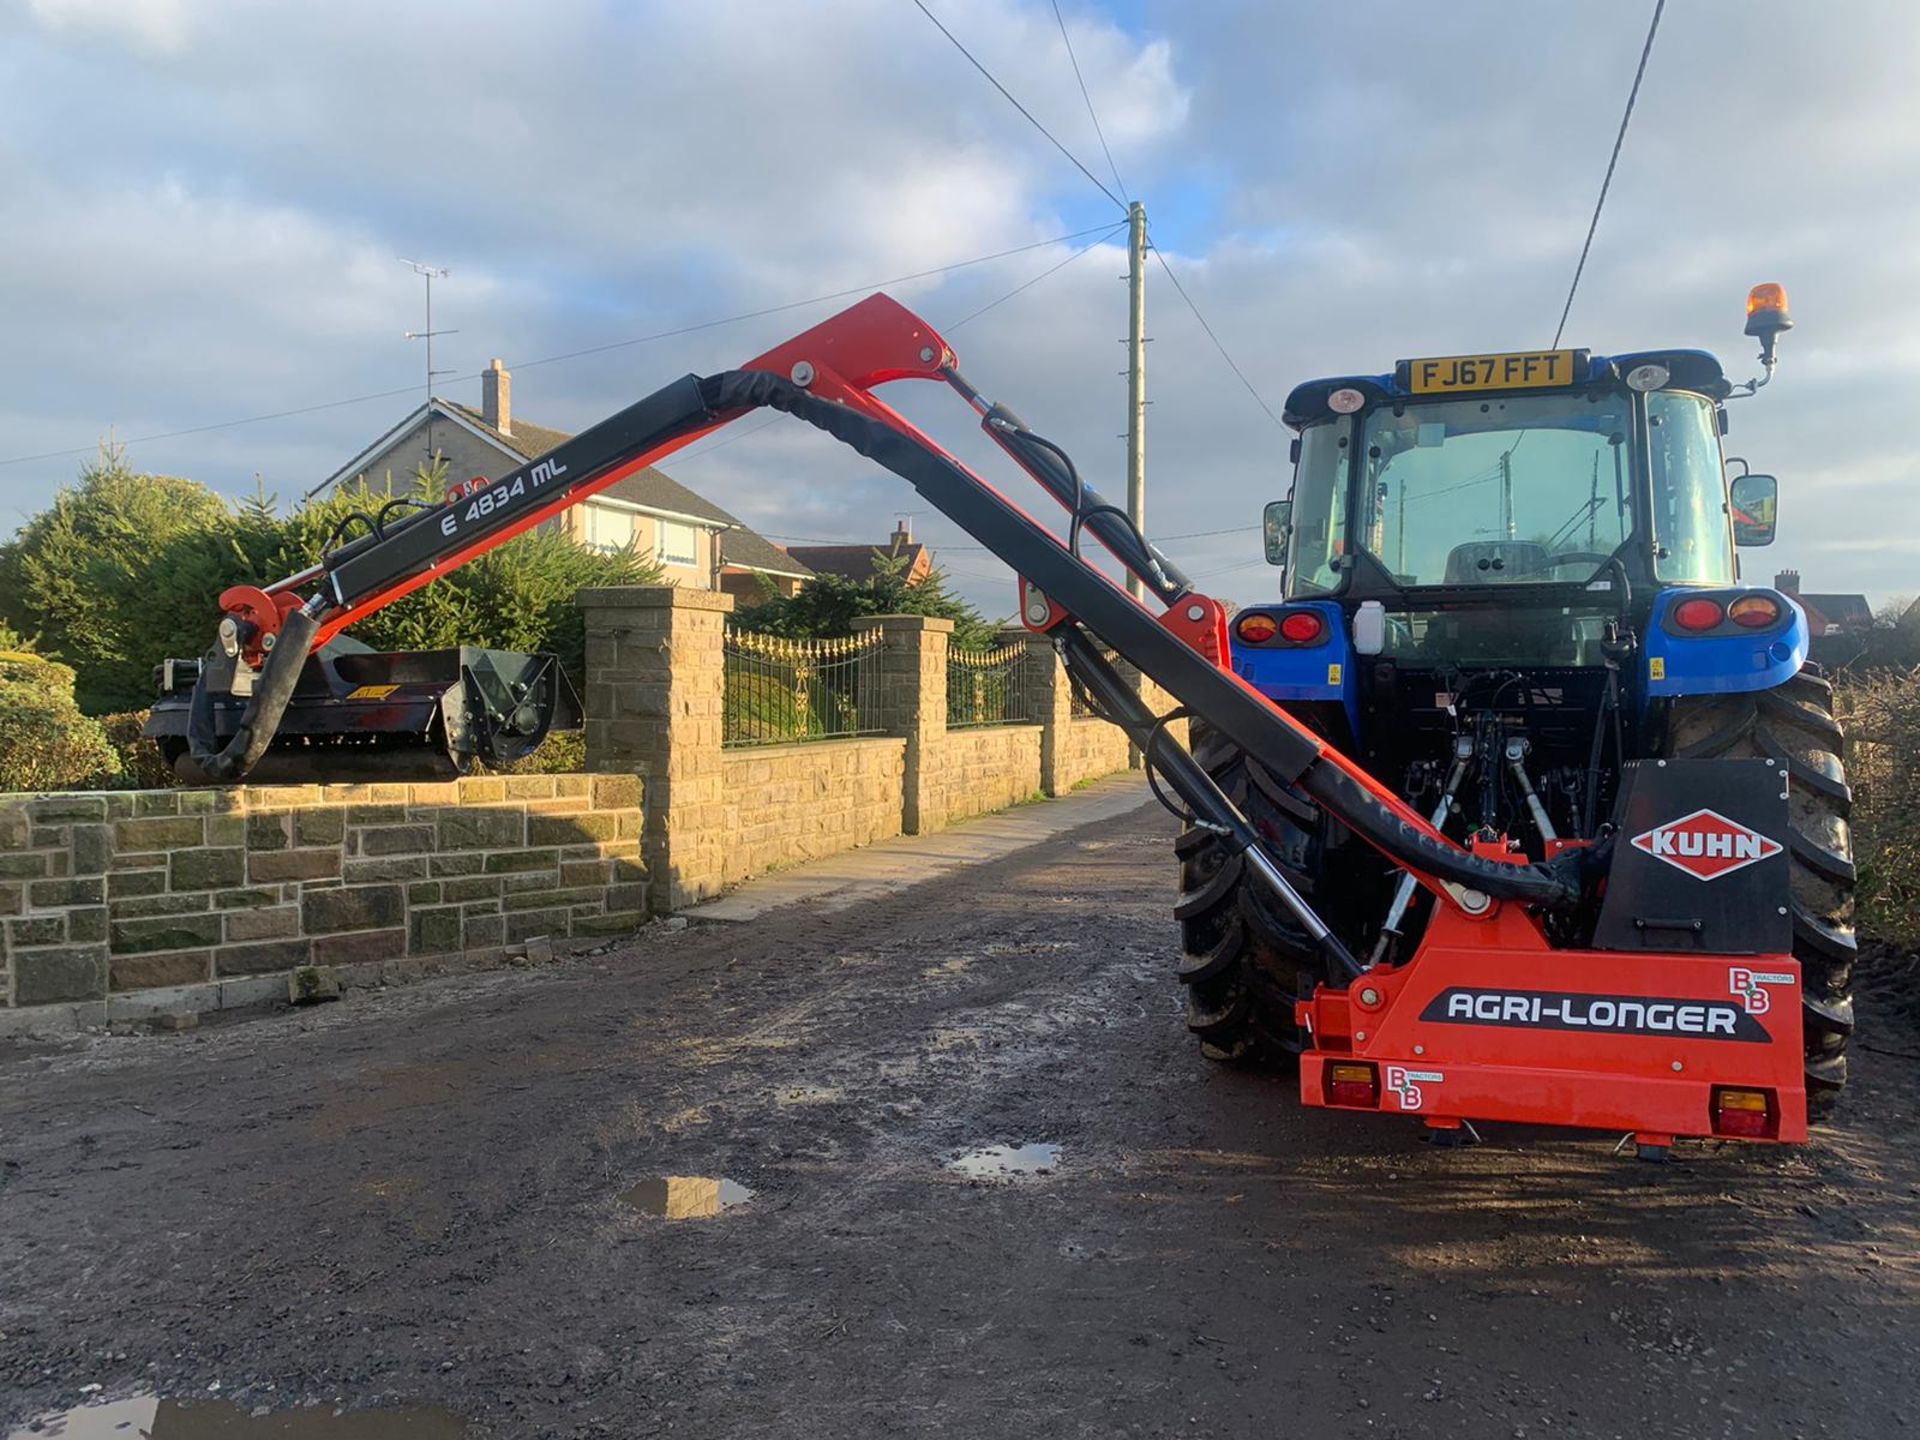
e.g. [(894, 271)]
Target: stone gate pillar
[(655, 686)]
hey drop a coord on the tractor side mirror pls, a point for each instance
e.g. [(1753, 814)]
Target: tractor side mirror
[(1754, 501), (1276, 526)]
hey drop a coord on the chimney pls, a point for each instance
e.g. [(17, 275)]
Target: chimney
[(1787, 582), (496, 397), (902, 534)]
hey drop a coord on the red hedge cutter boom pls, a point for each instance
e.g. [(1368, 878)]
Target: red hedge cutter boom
[(1386, 1037)]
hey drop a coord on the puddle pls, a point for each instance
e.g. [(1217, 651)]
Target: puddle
[(1006, 1162), (685, 1197), (153, 1419)]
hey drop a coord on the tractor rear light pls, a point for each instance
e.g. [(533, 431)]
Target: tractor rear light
[(1756, 612), (1698, 615), (1357, 1085), (1745, 1114), (1256, 627), (1302, 627)]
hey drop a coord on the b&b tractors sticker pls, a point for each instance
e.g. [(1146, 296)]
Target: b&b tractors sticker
[(1406, 1084), (1750, 987)]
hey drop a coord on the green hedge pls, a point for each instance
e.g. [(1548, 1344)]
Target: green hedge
[(124, 569), (45, 742)]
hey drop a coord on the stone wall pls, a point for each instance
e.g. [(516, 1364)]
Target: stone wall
[(1088, 748), (656, 675), (125, 903), (788, 803), (990, 767)]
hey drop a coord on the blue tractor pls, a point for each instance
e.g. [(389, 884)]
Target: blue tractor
[(1507, 580)]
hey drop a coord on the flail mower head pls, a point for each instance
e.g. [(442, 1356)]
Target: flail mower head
[(360, 714)]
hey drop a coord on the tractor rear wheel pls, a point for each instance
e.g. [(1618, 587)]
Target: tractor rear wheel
[(1245, 961), (1795, 726)]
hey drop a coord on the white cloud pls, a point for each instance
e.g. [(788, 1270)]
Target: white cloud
[(151, 27), (1347, 187)]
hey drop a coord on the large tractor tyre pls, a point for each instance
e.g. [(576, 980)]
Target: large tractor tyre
[(1245, 961), (1795, 725)]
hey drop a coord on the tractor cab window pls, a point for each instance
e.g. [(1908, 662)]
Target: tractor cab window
[(1689, 490), (1319, 517), (1518, 490)]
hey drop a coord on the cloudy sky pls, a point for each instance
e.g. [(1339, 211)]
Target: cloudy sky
[(207, 200)]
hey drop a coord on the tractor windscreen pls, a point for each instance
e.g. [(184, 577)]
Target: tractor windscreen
[(1508, 490), (1503, 491)]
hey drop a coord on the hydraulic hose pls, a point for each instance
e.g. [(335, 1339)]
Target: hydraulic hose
[(1554, 883), (1109, 613), (260, 721)]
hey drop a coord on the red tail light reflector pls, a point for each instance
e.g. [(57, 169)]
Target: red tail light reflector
[(1744, 1114), (1349, 1084), (1756, 612), (1302, 627), (1698, 614), (1256, 627)]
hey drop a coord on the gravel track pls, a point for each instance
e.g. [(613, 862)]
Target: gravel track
[(413, 1197)]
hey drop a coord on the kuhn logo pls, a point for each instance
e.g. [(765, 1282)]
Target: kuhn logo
[(1706, 845)]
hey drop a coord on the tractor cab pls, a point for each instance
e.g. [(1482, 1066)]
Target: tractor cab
[(1517, 533), (1513, 478)]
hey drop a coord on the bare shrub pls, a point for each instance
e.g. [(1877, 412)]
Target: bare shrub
[(1882, 712)]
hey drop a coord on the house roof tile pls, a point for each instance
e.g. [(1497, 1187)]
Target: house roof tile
[(749, 551), (856, 562)]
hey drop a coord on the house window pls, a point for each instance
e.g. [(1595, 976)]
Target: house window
[(608, 529), (678, 543)]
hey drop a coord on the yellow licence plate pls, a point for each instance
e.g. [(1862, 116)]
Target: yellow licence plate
[(1523, 370)]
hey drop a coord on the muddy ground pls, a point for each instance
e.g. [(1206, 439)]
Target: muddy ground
[(414, 1197)]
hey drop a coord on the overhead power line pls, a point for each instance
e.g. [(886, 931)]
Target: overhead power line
[(1066, 40), (701, 452), (1231, 363), (1626, 118), (810, 300), (1101, 230), (1098, 182), (1029, 284)]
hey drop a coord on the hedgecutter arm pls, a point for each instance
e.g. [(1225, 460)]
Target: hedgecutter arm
[(826, 377), (1454, 1033)]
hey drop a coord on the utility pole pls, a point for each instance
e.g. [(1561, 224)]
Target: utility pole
[(429, 273), (1137, 377), (1506, 493), (1593, 507)]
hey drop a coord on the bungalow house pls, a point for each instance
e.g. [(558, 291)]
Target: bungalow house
[(695, 541), (862, 562)]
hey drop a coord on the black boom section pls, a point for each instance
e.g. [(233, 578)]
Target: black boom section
[(372, 563), (1031, 550), (1108, 612), (375, 563)]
